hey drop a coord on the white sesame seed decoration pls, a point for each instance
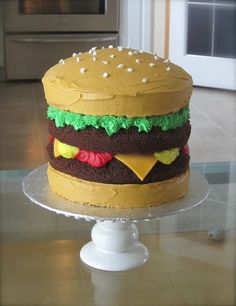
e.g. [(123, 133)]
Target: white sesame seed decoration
[(130, 53), (103, 47), (79, 53), (156, 57), (138, 61), (105, 75), (112, 56), (145, 80), (61, 62), (90, 51), (120, 66), (105, 62), (152, 65), (94, 58), (94, 48), (135, 52), (78, 59), (140, 51), (130, 69), (94, 53), (82, 70), (74, 55), (168, 69), (110, 47), (120, 48), (166, 61)]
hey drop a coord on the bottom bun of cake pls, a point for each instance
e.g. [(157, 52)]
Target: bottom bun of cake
[(117, 195)]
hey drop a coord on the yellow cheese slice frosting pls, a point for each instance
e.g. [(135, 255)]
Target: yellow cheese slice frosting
[(140, 164)]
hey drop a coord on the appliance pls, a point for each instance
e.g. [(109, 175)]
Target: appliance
[(38, 33)]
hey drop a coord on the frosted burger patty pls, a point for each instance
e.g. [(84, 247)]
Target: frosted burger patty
[(116, 172)]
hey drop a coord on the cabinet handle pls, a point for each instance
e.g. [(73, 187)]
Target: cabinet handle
[(61, 40)]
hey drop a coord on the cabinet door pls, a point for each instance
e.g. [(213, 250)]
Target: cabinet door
[(203, 40), (29, 56)]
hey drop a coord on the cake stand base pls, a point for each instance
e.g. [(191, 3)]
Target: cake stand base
[(114, 247)]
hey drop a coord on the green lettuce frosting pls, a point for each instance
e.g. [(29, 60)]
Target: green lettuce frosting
[(112, 124)]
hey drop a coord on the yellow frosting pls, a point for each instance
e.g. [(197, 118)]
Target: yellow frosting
[(140, 164), (65, 150), (151, 87), (168, 156), (116, 195), (56, 150)]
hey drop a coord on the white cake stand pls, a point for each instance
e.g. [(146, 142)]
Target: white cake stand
[(114, 245)]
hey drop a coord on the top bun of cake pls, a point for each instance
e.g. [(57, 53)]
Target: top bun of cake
[(117, 81)]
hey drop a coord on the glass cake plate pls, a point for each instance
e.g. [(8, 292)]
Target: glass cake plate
[(37, 189), (114, 245)]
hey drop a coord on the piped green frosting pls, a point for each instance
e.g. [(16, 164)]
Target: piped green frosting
[(112, 124)]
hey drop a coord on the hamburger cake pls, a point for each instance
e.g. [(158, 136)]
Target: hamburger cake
[(119, 126)]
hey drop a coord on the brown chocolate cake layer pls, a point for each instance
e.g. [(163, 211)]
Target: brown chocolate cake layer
[(125, 141), (115, 172)]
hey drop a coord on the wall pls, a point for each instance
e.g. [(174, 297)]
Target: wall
[(159, 28), (143, 25), (1, 35), (135, 23)]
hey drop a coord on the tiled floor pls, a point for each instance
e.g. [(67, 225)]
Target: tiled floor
[(39, 261), (188, 270), (219, 210), (213, 119), (24, 127), (24, 137)]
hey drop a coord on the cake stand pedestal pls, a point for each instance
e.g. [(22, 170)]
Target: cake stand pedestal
[(114, 245)]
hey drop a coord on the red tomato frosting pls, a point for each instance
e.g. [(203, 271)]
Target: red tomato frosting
[(94, 159), (185, 149)]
